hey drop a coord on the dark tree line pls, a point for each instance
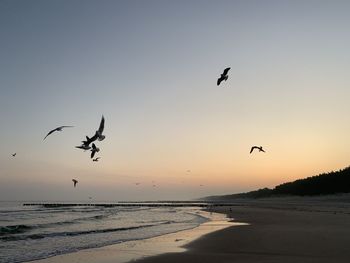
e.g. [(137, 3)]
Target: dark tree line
[(323, 184)]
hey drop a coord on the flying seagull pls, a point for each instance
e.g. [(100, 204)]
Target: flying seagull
[(100, 129), (57, 129), (98, 134), (258, 148), (223, 76), (94, 150), (75, 182), (14, 154), (96, 159), (85, 144)]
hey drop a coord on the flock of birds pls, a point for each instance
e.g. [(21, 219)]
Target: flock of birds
[(98, 136)]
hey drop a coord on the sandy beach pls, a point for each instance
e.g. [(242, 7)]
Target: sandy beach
[(279, 230), (274, 230)]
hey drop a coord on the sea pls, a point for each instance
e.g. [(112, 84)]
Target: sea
[(36, 232)]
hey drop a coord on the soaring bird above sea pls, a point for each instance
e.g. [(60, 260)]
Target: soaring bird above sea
[(258, 148), (223, 76), (94, 150), (96, 159), (14, 154), (75, 182), (57, 129)]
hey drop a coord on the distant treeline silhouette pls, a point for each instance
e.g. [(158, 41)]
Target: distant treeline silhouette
[(323, 184)]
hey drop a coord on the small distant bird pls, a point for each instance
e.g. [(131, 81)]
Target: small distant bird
[(188, 171), (137, 183), (258, 148), (57, 129), (14, 154), (96, 159), (154, 185), (223, 76), (75, 182), (201, 185), (94, 150)]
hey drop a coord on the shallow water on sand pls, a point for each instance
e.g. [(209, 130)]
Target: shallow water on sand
[(28, 233)]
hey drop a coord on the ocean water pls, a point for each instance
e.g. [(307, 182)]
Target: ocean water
[(35, 232)]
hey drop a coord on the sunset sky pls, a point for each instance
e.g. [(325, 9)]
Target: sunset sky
[(150, 67)]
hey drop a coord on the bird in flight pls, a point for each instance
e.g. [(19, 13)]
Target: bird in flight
[(14, 154), (223, 76), (258, 148), (100, 129), (94, 150), (57, 129), (137, 183), (75, 182), (98, 134), (85, 144), (96, 159)]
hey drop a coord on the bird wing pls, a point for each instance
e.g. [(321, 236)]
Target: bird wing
[(102, 125), (93, 146), (61, 127), (92, 154), (226, 71), (219, 81), (252, 149), (50, 132), (92, 139)]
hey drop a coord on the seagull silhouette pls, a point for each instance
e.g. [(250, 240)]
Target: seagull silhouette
[(96, 159), (258, 148), (100, 129), (85, 144), (75, 182), (98, 134), (94, 150), (57, 129), (14, 154), (223, 76)]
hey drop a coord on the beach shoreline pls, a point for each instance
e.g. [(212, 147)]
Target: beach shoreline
[(279, 230), (274, 230), (138, 249)]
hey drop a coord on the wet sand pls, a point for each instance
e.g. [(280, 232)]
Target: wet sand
[(278, 231)]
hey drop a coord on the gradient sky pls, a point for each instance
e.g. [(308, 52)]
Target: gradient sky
[(150, 67)]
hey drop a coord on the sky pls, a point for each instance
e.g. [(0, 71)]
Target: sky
[(150, 67)]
